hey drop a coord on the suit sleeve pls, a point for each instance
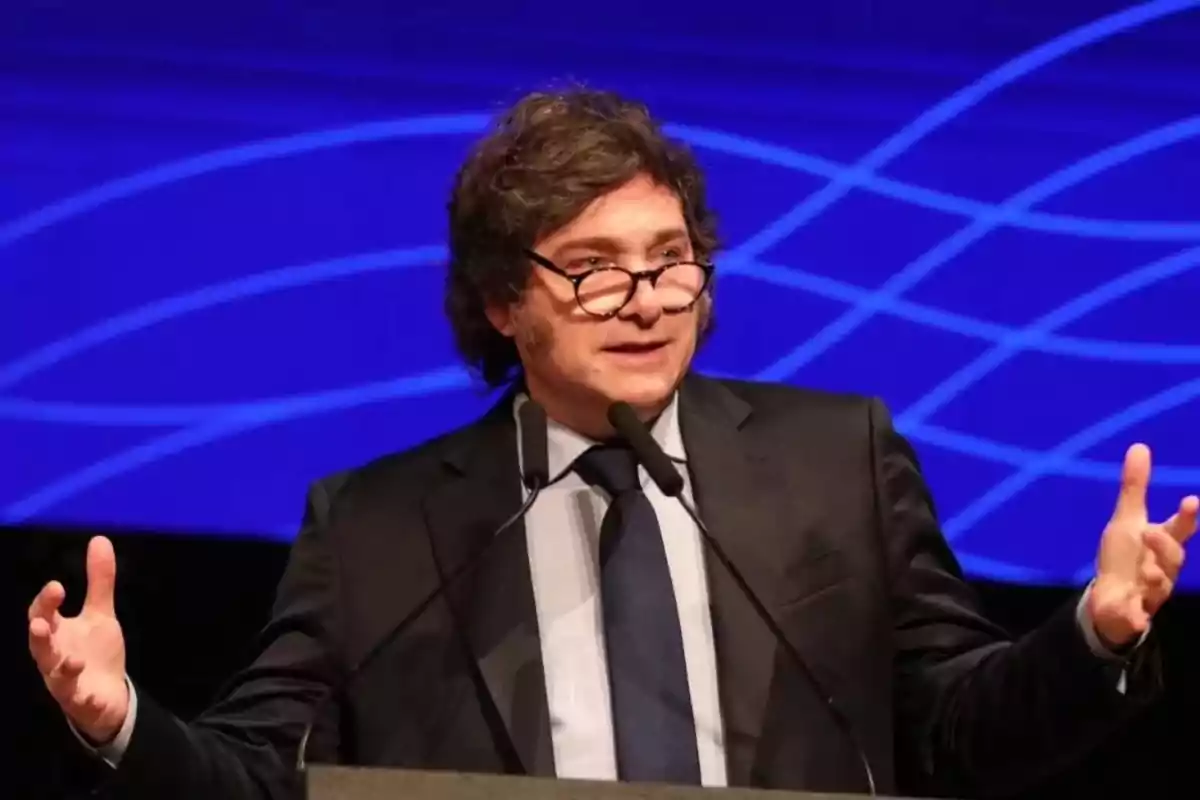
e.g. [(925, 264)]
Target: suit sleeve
[(244, 747), (979, 713)]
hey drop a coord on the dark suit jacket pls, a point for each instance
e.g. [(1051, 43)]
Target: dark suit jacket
[(816, 499)]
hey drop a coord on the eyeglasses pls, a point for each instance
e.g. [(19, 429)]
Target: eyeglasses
[(603, 291)]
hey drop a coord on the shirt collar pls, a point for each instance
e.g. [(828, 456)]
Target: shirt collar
[(566, 445)]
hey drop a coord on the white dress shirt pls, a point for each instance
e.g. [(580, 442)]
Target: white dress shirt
[(562, 533)]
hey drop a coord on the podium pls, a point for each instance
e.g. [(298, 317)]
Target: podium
[(373, 783)]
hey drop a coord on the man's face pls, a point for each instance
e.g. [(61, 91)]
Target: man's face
[(577, 364)]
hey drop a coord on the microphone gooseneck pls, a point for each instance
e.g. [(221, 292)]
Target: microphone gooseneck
[(535, 474), (658, 465), (626, 422), (535, 450)]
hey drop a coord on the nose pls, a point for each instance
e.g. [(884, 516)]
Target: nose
[(644, 307)]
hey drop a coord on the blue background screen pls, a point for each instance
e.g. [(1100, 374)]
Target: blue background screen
[(222, 237)]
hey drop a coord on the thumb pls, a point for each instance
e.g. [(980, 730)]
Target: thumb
[(1135, 479), (101, 576)]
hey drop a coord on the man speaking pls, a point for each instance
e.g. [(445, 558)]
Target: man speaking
[(624, 570)]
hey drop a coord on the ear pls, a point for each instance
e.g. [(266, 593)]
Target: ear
[(501, 317)]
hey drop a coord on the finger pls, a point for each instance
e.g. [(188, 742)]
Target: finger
[(1168, 553), (70, 667), (1158, 587), (1135, 478), (1137, 615), (48, 601), (101, 576), (1155, 576), (88, 707), (63, 677), (41, 646), (64, 686), (1182, 524)]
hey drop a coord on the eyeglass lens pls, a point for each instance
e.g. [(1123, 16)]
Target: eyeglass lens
[(606, 290)]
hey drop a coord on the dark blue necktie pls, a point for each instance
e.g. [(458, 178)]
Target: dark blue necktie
[(654, 728)]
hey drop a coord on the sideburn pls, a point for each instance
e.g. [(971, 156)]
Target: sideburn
[(535, 336)]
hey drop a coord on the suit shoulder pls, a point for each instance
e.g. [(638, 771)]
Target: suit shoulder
[(783, 399), (791, 416), (410, 467)]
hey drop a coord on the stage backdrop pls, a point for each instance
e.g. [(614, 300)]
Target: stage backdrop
[(222, 238)]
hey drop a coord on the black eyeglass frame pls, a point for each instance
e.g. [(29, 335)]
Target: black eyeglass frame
[(651, 275)]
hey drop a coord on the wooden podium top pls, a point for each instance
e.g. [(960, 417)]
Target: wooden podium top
[(362, 783)]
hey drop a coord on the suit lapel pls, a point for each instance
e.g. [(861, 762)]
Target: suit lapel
[(735, 498), (737, 494), (493, 602)]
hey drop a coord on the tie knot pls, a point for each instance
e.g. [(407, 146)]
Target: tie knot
[(611, 467)]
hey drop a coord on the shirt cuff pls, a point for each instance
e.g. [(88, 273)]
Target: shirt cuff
[(1088, 628), (112, 751)]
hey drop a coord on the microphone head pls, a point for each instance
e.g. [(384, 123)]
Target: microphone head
[(535, 458), (627, 424)]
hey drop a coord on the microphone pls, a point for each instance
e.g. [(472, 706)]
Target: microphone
[(535, 474), (658, 465), (535, 448)]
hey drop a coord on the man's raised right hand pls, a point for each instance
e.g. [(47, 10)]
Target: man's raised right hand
[(82, 658)]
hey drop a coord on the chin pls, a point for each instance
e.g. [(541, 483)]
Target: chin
[(649, 392)]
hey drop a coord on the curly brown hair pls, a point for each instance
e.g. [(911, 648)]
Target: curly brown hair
[(546, 160)]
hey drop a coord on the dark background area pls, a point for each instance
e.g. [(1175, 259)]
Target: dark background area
[(191, 606)]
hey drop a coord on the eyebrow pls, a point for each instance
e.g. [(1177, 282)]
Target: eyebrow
[(607, 244)]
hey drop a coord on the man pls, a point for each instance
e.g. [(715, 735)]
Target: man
[(601, 638)]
